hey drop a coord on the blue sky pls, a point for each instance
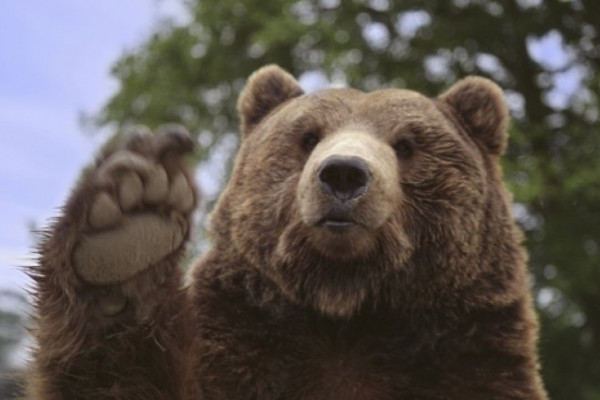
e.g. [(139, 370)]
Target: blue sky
[(55, 59)]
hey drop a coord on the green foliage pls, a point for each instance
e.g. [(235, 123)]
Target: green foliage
[(193, 73)]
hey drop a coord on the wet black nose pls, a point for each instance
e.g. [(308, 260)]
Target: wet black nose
[(344, 177)]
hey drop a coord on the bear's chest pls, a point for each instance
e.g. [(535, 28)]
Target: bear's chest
[(299, 355), (327, 370), (350, 362)]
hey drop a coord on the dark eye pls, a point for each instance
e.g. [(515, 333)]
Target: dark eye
[(404, 149), (310, 141)]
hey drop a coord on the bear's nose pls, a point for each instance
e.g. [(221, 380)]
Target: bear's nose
[(345, 178)]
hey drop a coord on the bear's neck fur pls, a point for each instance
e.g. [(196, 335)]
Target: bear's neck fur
[(424, 284)]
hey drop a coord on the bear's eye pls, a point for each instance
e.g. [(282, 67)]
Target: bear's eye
[(404, 149), (310, 141)]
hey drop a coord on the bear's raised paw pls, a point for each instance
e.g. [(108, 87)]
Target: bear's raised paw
[(139, 208)]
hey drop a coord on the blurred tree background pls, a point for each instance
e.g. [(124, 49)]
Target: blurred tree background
[(14, 310), (12, 324), (544, 53)]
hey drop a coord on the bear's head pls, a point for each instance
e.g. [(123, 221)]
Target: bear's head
[(347, 199)]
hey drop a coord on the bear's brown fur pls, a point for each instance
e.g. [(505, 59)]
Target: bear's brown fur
[(364, 248)]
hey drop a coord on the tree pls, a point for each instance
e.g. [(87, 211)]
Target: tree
[(545, 53)]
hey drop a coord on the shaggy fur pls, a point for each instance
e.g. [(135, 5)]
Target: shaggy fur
[(408, 282), (101, 332)]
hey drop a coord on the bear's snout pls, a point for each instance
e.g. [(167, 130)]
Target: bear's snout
[(345, 178), (350, 180)]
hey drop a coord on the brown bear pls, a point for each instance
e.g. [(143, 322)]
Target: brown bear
[(364, 248)]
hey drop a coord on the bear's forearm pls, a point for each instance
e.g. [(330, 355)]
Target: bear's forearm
[(115, 342), (149, 361), (113, 321)]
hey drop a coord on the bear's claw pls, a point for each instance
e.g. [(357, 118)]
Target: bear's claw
[(173, 138)]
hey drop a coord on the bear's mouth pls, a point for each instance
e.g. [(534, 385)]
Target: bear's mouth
[(339, 218)]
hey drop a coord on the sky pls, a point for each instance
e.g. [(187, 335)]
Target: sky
[(55, 61)]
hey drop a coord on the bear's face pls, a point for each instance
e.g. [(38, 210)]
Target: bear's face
[(343, 197)]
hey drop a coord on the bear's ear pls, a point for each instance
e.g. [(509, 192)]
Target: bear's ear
[(267, 88), (480, 105)]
